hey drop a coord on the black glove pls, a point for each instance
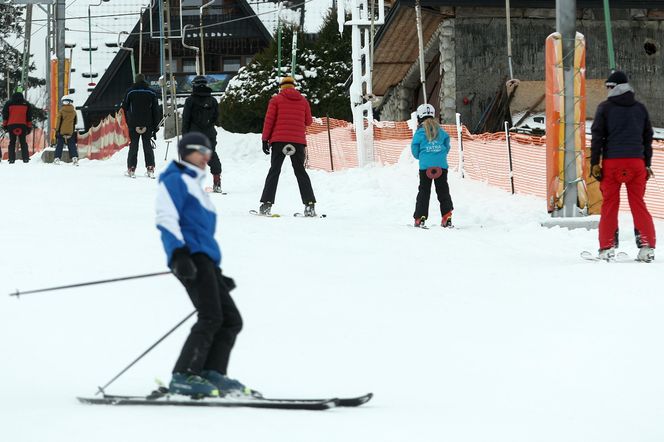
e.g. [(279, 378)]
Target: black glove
[(266, 147), (228, 282), (596, 172), (649, 173), (182, 265)]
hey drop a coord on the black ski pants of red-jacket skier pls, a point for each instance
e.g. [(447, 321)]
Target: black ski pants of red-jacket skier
[(135, 137), (297, 160), (424, 194), (25, 154), (212, 338)]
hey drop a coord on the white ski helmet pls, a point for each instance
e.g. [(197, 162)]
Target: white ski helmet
[(425, 111)]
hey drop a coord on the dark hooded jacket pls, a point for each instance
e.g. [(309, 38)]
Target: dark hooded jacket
[(141, 107), (17, 114), (622, 128), (200, 112)]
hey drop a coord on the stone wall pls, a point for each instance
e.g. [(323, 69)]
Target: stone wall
[(481, 58)]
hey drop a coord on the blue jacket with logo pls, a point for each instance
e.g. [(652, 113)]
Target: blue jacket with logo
[(185, 213), (431, 153)]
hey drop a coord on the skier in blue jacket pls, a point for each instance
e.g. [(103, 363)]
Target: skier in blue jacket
[(430, 146), (187, 221)]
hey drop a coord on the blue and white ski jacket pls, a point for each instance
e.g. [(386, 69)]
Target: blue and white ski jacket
[(431, 153), (185, 214)]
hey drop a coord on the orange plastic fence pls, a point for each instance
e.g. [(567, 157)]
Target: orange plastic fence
[(103, 140), (485, 156), (35, 143)]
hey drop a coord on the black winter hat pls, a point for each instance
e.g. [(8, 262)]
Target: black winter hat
[(193, 142), (616, 78), (139, 78), (199, 80)]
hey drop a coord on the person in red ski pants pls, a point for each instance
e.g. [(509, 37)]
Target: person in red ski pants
[(622, 141)]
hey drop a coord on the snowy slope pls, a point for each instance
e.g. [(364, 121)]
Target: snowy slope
[(478, 334)]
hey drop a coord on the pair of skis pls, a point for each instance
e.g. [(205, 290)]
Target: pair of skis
[(276, 215), (619, 257), (161, 397)]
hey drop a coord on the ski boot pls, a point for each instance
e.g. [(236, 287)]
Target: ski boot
[(607, 254), (216, 183), (419, 222), (74, 161), (229, 387), (646, 254), (310, 209), (447, 220), (131, 172), (150, 172), (57, 161), (192, 385), (265, 209), (26, 160)]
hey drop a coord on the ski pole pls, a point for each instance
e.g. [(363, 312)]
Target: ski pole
[(18, 293), (101, 389)]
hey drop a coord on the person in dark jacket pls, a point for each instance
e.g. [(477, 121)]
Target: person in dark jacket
[(200, 115), (288, 115), (143, 114), (187, 221), (621, 153), (17, 121)]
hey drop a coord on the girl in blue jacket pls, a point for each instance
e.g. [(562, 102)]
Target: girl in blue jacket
[(430, 146)]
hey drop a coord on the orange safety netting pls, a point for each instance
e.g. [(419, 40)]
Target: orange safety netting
[(106, 138), (485, 156), (35, 143)]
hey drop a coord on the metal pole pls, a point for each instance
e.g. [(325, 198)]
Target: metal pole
[(509, 37), (202, 33), (609, 36), (194, 48), (460, 138), (566, 25), (509, 153), (329, 141), (26, 46), (101, 389), (169, 68), (420, 41), (140, 42), (47, 136), (293, 53), (60, 47)]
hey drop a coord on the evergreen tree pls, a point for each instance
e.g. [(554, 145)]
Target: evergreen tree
[(322, 68), (11, 58)]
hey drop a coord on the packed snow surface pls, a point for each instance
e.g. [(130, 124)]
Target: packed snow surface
[(495, 331)]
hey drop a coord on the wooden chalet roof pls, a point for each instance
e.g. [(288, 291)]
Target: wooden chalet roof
[(396, 47)]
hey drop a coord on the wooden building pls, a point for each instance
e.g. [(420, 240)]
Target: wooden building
[(233, 35), (466, 54)]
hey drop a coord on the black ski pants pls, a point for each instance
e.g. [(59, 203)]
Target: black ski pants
[(12, 146), (297, 160), (212, 338), (424, 194), (135, 137), (214, 163)]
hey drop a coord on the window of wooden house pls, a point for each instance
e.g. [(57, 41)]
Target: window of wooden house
[(231, 64), (189, 65)]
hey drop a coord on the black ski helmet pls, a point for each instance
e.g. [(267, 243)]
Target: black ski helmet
[(193, 142), (199, 80)]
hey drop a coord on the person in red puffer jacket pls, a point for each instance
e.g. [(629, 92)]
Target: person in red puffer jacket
[(288, 115), (17, 121)]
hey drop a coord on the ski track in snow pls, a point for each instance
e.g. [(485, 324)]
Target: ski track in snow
[(501, 333)]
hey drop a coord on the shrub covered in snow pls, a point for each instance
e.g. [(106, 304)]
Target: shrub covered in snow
[(322, 67)]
